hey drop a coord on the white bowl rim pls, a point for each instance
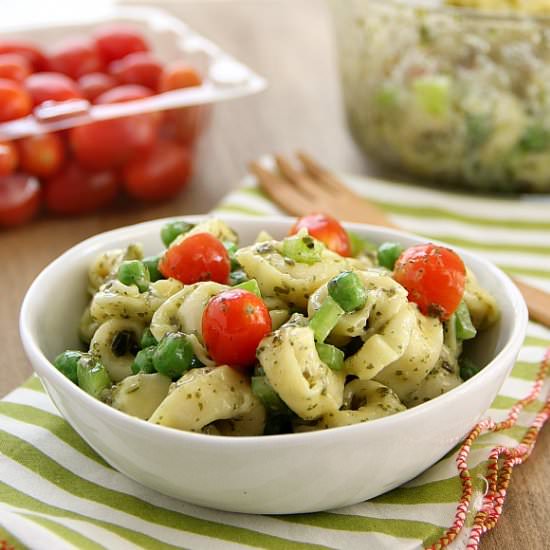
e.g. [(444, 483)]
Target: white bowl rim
[(38, 358)]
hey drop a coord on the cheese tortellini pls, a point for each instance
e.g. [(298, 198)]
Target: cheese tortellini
[(330, 341)]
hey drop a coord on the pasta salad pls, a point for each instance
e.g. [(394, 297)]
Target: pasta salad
[(317, 330)]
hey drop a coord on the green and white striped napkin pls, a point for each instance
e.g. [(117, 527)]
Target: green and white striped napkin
[(56, 493)]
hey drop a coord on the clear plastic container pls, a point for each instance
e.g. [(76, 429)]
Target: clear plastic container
[(180, 114), (453, 95)]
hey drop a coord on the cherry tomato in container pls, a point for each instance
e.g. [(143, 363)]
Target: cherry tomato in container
[(19, 199), (92, 85), (51, 87), (179, 74), (75, 57), (8, 158), (115, 41), (14, 66), (137, 68), (159, 175), (30, 51), (126, 92), (434, 277), (326, 229), (199, 257), (15, 102), (75, 191), (233, 324), (42, 155)]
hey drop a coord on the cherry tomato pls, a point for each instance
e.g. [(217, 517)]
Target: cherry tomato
[(137, 68), (93, 85), (434, 276), (41, 155), (19, 199), (233, 324), (326, 229), (51, 87), (15, 102), (185, 124), (8, 158), (115, 41), (159, 175), (199, 257), (14, 66), (75, 57), (178, 75), (126, 92), (75, 191), (33, 54)]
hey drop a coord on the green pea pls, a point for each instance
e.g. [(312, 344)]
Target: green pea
[(174, 355), (134, 272), (143, 361), (147, 339), (388, 254), (152, 265), (172, 230), (67, 362)]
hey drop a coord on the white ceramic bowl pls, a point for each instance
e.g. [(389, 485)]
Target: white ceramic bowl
[(271, 474)]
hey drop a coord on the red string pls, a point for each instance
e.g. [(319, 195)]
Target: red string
[(500, 463)]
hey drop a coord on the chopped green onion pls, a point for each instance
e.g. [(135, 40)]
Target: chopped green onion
[(331, 356), (251, 285), (67, 363), (465, 330), (147, 339), (134, 272), (152, 265), (388, 253), (302, 249), (92, 376), (325, 319), (348, 291), (174, 355), (172, 230), (143, 361), (468, 368), (237, 277), (270, 399)]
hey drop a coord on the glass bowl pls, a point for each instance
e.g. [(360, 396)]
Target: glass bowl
[(454, 95)]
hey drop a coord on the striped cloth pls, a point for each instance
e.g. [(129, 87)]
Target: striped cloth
[(56, 493)]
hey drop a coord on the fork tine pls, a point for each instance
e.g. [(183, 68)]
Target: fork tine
[(300, 180), (281, 192), (321, 174)]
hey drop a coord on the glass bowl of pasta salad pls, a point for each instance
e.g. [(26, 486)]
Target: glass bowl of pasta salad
[(240, 363), (453, 91)]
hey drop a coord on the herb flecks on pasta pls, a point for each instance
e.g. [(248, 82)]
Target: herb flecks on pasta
[(317, 330)]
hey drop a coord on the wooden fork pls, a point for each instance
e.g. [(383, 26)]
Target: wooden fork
[(315, 189)]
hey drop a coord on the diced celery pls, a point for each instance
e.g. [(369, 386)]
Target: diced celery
[(270, 399), (302, 249), (325, 318), (92, 376), (251, 285), (331, 356), (348, 291), (433, 93), (465, 330)]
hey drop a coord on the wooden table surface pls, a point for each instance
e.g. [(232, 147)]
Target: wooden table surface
[(290, 43)]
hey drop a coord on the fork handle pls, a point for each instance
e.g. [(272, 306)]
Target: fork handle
[(538, 302)]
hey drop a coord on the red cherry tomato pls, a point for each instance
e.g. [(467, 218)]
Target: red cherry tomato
[(51, 87), (325, 229), (41, 155), (75, 57), (115, 41), (15, 102), (126, 92), (159, 175), (137, 68), (185, 124), (14, 66), (233, 324), (92, 85), (75, 191), (19, 199), (8, 158), (33, 54), (434, 276), (179, 75), (199, 257)]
